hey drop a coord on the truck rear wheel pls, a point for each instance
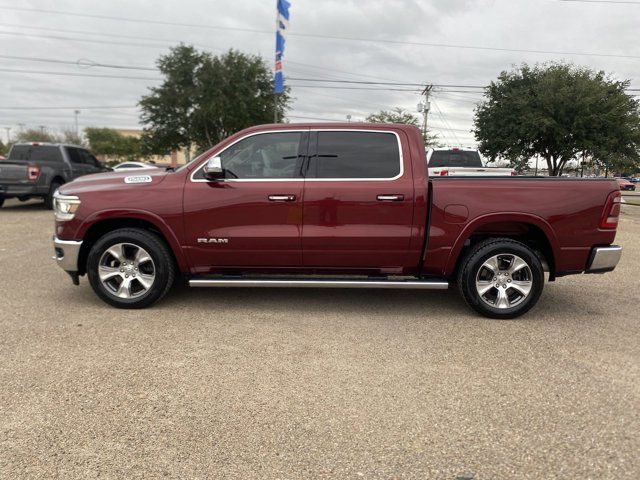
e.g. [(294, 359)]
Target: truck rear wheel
[(130, 268), (501, 278), (48, 200)]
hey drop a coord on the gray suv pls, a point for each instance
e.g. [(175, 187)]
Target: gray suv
[(38, 169)]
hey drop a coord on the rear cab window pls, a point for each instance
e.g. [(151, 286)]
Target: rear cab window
[(355, 155), (35, 153), (455, 158)]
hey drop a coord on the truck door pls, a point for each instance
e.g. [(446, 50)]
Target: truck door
[(358, 200), (252, 218)]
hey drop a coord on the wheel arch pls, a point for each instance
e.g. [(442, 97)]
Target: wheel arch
[(99, 224), (531, 230)]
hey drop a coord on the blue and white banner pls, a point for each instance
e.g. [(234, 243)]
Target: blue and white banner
[(282, 23)]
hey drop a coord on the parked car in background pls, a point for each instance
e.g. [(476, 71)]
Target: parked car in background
[(37, 170), (128, 165), (461, 162), (332, 206), (625, 184)]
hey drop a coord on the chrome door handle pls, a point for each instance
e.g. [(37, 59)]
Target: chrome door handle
[(282, 198), (390, 198)]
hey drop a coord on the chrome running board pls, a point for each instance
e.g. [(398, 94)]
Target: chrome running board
[(318, 283)]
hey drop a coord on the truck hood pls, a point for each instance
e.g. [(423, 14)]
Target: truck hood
[(115, 181)]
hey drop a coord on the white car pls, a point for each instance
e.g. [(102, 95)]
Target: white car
[(122, 166), (443, 162)]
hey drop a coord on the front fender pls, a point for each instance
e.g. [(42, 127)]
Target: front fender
[(144, 215)]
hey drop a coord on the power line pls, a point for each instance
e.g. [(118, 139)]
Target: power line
[(74, 74), (103, 107), (602, 1), (82, 62), (315, 35), (336, 87)]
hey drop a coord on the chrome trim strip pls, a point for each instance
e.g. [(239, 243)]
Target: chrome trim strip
[(604, 259), (70, 252), (293, 283), (231, 180)]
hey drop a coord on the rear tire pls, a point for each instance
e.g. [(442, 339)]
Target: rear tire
[(130, 268), (48, 200), (1, 201), (501, 278)]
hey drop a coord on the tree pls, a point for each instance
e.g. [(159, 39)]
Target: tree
[(560, 112), (205, 98), (111, 143), (71, 137), (32, 135), (399, 115), (3, 148)]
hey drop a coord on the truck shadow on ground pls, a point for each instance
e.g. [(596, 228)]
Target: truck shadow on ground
[(28, 206), (555, 304)]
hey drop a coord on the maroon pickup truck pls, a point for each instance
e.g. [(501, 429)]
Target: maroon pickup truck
[(332, 205)]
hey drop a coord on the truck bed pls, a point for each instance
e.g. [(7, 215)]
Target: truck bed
[(566, 211)]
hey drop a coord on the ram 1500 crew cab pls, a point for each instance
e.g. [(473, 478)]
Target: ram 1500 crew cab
[(331, 205)]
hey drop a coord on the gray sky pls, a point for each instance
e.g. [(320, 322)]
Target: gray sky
[(607, 29)]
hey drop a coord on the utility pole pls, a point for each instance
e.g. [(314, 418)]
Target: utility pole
[(425, 107), (8, 129), (77, 112)]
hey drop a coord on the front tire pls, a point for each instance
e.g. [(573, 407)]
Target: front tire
[(130, 268), (501, 278)]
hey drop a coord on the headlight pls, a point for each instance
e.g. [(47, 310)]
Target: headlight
[(65, 206)]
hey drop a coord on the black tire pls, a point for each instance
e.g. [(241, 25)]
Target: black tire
[(1, 201), (163, 263), (48, 200), (470, 270)]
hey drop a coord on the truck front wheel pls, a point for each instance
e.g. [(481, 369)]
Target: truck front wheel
[(130, 268), (501, 278)]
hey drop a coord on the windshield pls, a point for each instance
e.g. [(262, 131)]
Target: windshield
[(455, 158)]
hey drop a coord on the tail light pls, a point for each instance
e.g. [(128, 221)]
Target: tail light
[(444, 173), (611, 212), (514, 173), (33, 173)]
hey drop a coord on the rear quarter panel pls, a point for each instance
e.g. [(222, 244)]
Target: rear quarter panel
[(568, 211)]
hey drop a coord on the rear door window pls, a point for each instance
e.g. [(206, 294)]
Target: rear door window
[(356, 155), (74, 155)]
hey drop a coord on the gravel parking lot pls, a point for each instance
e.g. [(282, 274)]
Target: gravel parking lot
[(313, 384)]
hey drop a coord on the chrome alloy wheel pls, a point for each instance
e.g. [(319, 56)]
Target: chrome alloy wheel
[(504, 281), (126, 270)]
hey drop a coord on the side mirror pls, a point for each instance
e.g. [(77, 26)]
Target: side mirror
[(213, 168)]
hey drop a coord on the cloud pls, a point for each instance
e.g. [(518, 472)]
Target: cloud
[(542, 25)]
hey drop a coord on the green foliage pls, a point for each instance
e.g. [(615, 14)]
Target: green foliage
[(70, 137), (111, 143), (32, 135), (3, 149), (399, 115), (205, 98), (559, 112)]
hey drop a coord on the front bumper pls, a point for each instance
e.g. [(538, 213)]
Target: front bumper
[(66, 254), (604, 259)]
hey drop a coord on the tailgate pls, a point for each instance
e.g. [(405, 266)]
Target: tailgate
[(13, 172)]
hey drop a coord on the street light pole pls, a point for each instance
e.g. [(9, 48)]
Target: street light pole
[(8, 129), (77, 112)]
